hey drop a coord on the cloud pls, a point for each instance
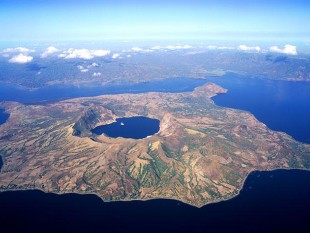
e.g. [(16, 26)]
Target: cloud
[(19, 54), (156, 47), (249, 48), (212, 47), (77, 53), (82, 69), (100, 52), (94, 64), (171, 47), (137, 49), (288, 49), (115, 55), (97, 74), (83, 53), (21, 58), (140, 50), (175, 47), (18, 50), (50, 50), (87, 68), (195, 52)]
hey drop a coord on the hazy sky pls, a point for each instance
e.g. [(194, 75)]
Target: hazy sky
[(162, 19)]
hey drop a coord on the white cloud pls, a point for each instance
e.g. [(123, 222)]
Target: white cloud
[(83, 53), (137, 49), (171, 47), (249, 48), (50, 50), (97, 74), (288, 49), (195, 52), (100, 52), (77, 53), (225, 47), (18, 50), (21, 58), (94, 64), (212, 47), (156, 47), (174, 47), (115, 55), (62, 55), (82, 69)]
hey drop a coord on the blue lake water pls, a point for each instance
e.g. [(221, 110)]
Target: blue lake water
[(129, 127), (9, 92), (3, 116)]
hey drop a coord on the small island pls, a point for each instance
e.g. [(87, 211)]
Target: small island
[(201, 154)]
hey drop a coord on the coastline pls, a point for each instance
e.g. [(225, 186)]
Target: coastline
[(159, 198)]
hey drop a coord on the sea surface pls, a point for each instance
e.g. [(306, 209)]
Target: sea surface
[(129, 127), (276, 201)]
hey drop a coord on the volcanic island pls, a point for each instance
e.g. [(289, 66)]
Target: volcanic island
[(201, 154)]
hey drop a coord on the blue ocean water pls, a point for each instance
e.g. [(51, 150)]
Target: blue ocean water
[(129, 127)]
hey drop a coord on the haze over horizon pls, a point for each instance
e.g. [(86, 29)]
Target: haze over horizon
[(39, 20)]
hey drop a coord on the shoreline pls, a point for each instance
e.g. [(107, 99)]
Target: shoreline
[(159, 198)]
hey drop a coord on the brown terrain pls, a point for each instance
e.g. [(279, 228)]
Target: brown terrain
[(201, 154)]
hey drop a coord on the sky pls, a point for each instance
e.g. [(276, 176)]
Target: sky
[(41, 20)]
